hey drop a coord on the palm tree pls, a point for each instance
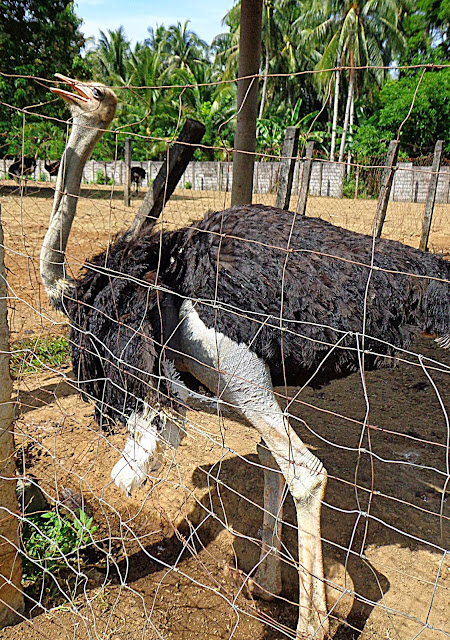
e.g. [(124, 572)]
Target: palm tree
[(212, 103), (110, 58), (283, 53), (350, 33), (225, 45), (184, 48)]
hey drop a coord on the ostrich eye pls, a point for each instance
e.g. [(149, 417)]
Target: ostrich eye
[(97, 93), (158, 424)]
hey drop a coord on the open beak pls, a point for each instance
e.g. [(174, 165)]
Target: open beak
[(81, 95)]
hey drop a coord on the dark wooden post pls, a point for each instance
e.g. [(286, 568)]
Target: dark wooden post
[(431, 196), (247, 101), (386, 185), (168, 176), (11, 596), (306, 178), (356, 182), (127, 173), (290, 148)]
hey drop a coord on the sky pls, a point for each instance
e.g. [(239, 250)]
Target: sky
[(136, 15)]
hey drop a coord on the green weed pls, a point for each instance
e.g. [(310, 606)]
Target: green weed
[(28, 356), (51, 541)]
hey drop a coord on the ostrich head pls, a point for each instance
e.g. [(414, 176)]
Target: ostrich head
[(93, 107), (91, 103)]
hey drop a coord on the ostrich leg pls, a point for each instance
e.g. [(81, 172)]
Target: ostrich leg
[(267, 582), (306, 480), (240, 378)]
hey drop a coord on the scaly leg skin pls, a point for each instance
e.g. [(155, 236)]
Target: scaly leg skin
[(306, 480), (267, 582), (239, 377)]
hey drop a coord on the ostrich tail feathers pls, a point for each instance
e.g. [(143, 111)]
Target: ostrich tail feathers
[(444, 341)]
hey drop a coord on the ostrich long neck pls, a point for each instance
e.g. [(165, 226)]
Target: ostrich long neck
[(82, 141)]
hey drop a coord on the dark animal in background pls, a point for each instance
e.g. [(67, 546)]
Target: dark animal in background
[(52, 167), (137, 177), (22, 168), (249, 297)]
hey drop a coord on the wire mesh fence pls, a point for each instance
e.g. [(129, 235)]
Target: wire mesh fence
[(179, 557)]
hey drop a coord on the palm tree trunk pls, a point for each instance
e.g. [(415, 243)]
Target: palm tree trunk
[(264, 87), (346, 117), (350, 129), (11, 597), (335, 115)]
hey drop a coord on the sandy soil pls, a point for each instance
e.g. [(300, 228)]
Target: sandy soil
[(161, 567)]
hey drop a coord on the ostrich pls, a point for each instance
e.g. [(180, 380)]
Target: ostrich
[(137, 176), (22, 167), (52, 167), (248, 298)]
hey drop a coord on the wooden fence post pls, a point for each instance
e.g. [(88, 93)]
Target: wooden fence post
[(168, 176), (290, 148), (306, 178), (356, 182), (11, 597), (431, 196), (386, 185), (127, 173)]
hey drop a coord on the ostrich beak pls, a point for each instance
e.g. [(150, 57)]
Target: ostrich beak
[(81, 95)]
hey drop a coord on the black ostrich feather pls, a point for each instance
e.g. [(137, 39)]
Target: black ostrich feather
[(299, 290)]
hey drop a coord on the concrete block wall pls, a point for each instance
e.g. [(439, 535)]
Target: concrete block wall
[(327, 178), (411, 184)]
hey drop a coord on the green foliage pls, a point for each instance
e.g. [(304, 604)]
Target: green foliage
[(28, 356), (100, 177), (272, 130), (368, 141), (350, 187), (180, 76), (37, 38), (188, 185), (52, 541), (428, 121)]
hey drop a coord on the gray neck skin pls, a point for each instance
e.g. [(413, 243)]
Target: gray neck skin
[(82, 141)]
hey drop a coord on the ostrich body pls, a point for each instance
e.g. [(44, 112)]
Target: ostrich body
[(52, 167), (137, 176), (249, 297), (22, 167)]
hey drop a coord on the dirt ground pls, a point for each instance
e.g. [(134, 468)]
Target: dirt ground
[(163, 561)]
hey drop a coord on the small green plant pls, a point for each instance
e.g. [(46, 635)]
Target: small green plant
[(349, 188), (42, 177), (28, 356), (100, 177), (188, 185), (51, 542)]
